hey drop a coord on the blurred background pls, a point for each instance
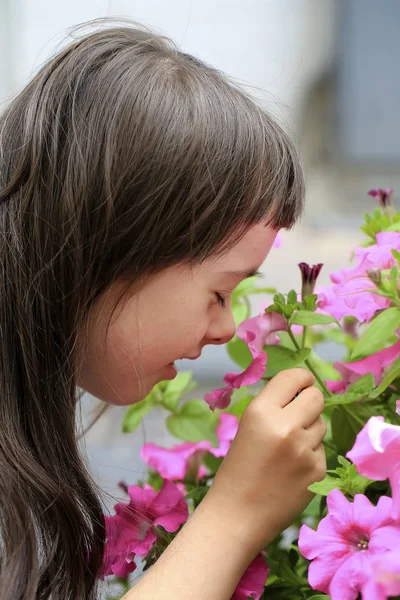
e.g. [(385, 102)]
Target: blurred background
[(326, 68)]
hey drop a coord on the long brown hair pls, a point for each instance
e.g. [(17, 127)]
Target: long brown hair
[(121, 157)]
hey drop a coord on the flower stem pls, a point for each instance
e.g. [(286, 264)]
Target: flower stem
[(309, 365), (303, 339)]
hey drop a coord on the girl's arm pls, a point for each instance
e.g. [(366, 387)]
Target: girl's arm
[(205, 560), (260, 487)]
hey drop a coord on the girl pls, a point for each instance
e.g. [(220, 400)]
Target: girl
[(138, 185)]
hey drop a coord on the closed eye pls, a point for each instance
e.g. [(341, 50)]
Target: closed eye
[(220, 300)]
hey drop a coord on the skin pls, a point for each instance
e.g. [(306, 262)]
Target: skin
[(174, 315)]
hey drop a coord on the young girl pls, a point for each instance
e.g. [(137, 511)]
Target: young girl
[(138, 186)]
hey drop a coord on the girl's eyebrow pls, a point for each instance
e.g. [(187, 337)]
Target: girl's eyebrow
[(244, 274)]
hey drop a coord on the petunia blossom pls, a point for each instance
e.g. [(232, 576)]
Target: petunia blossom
[(346, 541), (253, 580), (353, 293), (256, 332), (387, 573), (131, 531), (376, 454), (375, 364), (174, 463)]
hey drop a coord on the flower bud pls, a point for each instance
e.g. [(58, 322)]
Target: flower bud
[(308, 278), (384, 199)]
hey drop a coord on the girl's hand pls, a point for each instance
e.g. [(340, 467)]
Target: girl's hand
[(261, 486)]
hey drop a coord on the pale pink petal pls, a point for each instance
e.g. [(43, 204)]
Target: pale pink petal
[(278, 241), (172, 463), (387, 572), (226, 431)]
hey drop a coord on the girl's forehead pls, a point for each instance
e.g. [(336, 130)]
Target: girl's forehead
[(255, 244)]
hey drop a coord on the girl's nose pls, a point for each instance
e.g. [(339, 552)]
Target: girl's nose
[(221, 330)]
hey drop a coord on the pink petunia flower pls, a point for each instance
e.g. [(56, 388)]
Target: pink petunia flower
[(376, 454), (174, 463), (387, 573), (253, 580), (352, 292), (375, 364), (256, 332), (131, 532), (345, 544)]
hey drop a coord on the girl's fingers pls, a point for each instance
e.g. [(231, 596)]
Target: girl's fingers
[(316, 433)]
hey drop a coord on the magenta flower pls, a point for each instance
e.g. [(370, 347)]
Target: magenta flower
[(376, 454), (375, 364), (256, 332), (131, 532), (352, 292), (174, 463), (345, 544), (118, 560), (253, 580)]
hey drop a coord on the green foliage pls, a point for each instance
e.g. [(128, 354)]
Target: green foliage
[(194, 422), (136, 412), (376, 336), (307, 317), (280, 358), (345, 478)]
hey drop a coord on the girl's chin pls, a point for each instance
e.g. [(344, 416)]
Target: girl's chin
[(170, 371)]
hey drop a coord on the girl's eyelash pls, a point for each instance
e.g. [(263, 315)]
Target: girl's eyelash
[(220, 299)]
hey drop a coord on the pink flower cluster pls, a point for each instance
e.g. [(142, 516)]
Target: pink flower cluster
[(256, 332), (132, 531), (375, 364), (355, 547), (353, 293), (174, 463)]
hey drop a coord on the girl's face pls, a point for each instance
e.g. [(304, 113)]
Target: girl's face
[(172, 316)]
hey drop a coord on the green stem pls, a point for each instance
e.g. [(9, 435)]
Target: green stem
[(303, 338), (309, 365)]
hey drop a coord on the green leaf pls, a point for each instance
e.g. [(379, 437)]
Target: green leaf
[(239, 352), (388, 379), (240, 406), (240, 312), (319, 597), (323, 488), (176, 388), (280, 358), (347, 422), (195, 422), (377, 334), (212, 462), (307, 317), (364, 385), (136, 412)]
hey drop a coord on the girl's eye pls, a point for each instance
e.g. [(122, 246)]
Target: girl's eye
[(220, 299)]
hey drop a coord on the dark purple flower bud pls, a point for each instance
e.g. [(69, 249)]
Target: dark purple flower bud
[(383, 196), (308, 278)]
